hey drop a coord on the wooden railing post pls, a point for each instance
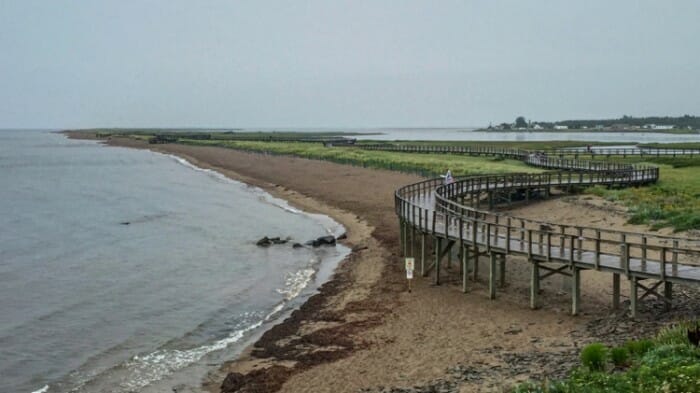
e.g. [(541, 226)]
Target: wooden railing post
[(597, 249)]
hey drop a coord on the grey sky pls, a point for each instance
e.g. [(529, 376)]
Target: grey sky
[(343, 64)]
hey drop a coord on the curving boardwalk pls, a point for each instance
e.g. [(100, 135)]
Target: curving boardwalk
[(595, 151), (460, 216)]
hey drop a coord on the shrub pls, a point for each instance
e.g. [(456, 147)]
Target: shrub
[(619, 356), (639, 347), (674, 334), (593, 356)]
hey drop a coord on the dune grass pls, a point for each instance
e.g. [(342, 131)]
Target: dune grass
[(428, 165)]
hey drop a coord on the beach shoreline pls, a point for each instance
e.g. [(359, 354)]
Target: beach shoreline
[(358, 238), (364, 331)]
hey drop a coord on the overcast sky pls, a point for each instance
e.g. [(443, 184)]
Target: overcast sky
[(343, 63)]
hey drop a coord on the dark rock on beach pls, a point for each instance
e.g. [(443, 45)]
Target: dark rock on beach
[(329, 240), (322, 241), (268, 241), (264, 242)]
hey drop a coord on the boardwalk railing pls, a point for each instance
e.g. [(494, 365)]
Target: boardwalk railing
[(521, 153), (451, 215)]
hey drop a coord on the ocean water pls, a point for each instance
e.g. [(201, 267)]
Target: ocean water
[(90, 304)]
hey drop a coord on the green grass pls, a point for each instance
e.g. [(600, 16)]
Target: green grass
[(593, 356), (424, 164), (674, 201), (666, 363), (531, 145)]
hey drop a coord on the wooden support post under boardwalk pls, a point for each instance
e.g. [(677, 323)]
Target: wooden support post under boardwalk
[(422, 254), (447, 239), (476, 264), (460, 255), (633, 297), (492, 276), (465, 267), (406, 243), (438, 248), (668, 294), (401, 239), (616, 291), (502, 270), (449, 259), (534, 284), (575, 290)]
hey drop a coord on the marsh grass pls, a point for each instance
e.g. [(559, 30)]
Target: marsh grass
[(674, 201), (423, 164)]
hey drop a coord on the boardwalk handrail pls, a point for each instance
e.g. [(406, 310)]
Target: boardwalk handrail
[(520, 153), (452, 212)]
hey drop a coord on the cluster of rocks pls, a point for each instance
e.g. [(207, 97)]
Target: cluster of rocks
[(328, 240), (268, 241)]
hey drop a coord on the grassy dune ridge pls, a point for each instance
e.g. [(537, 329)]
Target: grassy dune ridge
[(424, 164)]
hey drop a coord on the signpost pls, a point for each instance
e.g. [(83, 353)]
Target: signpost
[(410, 265)]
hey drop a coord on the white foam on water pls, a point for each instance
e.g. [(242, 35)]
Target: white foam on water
[(42, 390), (296, 282), (156, 365)]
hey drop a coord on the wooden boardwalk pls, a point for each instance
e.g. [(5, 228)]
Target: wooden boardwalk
[(460, 216), (521, 153)]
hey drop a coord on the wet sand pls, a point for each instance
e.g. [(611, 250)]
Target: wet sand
[(364, 330)]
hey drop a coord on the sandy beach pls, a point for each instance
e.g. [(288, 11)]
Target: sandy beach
[(365, 332)]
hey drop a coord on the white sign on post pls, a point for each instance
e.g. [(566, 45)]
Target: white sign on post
[(410, 263)]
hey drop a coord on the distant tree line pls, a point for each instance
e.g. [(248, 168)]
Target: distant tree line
[(678, 121)]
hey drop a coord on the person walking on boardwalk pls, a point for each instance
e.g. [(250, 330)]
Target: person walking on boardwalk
[(448, 177)]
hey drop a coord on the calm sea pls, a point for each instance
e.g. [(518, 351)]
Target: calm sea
[(89, 304)]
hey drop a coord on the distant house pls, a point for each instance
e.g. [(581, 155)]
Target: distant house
[(560, 127), (661, 127), (537, 127)]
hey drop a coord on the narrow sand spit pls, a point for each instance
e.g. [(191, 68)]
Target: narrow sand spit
[(365, 331)]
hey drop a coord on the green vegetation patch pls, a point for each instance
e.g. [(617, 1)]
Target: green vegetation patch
[(667, 363), (674, 201), (424, 164)]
